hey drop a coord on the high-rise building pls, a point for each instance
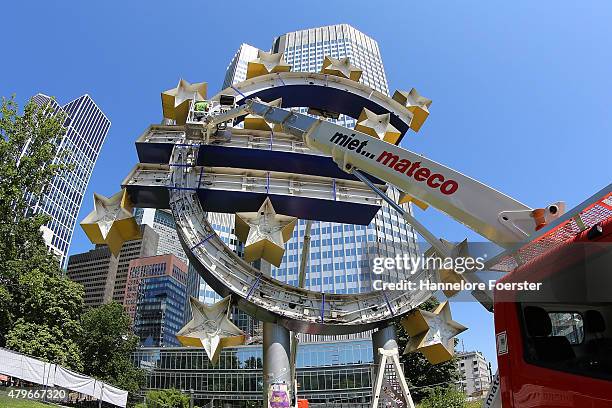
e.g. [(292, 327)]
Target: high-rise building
[(139, 248), (86, 129), (340, 253), (163, 223), (237, 68), (98, 271), (156, 297), (95, 270), (475, 372)]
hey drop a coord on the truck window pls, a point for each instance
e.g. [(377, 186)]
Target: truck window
[(575, 342), (569, 325)]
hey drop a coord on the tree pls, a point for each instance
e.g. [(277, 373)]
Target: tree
[(421, 375), (39, 308), (166, 399), (107, 344)]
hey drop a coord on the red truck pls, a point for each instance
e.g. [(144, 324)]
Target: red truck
[(555, 347)]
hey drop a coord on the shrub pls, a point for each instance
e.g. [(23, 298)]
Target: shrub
[(444, 398)]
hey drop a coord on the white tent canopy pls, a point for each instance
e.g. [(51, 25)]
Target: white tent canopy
[(50, 375)]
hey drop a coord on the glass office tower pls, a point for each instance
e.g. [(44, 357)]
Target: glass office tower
[(86, 129), (340, 254)]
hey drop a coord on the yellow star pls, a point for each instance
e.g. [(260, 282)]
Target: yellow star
[(264, 233), (210, 328), (267, 63), (341, 67), (415, 103), (255, 122), (111, 222), (175, 101), (432, 333), (406, 198), (378, 126)]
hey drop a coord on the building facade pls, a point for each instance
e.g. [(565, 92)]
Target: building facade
[(475, 372), (337, 371), (237, 68), (86, 129), (102, 275), (140, 269), (340, 254), (163, 224), (156, 298)]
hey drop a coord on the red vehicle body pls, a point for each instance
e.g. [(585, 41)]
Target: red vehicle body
[(555, 347)]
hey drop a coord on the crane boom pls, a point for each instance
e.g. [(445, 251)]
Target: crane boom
[(492, 214)]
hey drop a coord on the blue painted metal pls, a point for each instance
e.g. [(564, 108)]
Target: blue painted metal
[(149, 196), (322, 307), (154, 152), (301, 207), (237, 90), (267, 160), (253, 286), (326, 99), (203, 241)]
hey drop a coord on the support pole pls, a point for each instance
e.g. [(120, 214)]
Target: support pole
[(276, 365), (301, 282), (276, 354)]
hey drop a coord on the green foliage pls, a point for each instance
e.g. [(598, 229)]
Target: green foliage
[(46, 342), (420, 373), (28, 147), (107, 343), (170, 398), (39, 307), (444, 398)]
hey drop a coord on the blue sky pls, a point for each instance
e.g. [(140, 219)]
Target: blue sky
[(522, 90)]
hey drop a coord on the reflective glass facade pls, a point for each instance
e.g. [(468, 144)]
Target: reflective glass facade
[(340, 254), (162, 221), (86, 128), (156, 298), (332, 371), (160, 311)]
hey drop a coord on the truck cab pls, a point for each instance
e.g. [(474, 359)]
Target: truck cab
[(554, 345)]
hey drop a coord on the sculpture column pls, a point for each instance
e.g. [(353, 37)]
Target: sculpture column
[(277, 379)]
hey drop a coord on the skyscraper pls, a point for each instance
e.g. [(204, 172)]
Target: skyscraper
[(340, 253), (163, 223), (86, 129), (237, 68), (104, 276), (155, 298)]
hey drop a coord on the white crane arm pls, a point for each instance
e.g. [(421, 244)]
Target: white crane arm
[(492, 214)]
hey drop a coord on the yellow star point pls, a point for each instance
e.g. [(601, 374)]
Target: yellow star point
[(415, 103), (210, 328), (255, 122), (264, 233), (176, 101), (378, 126), (267, 63), (341, 67), (111, 222), (432, 333), (446, 275), (407, 198)]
